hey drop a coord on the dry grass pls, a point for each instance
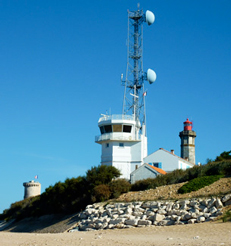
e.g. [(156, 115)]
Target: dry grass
[(170, 192)]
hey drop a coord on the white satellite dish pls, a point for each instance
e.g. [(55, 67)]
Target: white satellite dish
[(151, 76), (149, 17)]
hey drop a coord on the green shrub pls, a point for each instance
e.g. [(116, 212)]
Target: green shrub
[(198, 183), (227, 216), (101, 174), (226, 155), (143, 184), (101, 193), (119, 186)]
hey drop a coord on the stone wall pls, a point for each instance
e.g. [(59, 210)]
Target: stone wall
[(158, 213)]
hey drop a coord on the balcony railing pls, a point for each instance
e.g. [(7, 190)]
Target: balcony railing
[(116, 117), (116, 136)]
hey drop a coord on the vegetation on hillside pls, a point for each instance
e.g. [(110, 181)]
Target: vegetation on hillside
[(100, 184), (198, 183), (226, 155), (65, 197), (178, 176), (227, 216)]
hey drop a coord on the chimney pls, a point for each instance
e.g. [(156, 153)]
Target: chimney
[(172, 151)]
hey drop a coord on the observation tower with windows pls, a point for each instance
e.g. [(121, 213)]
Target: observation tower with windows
[(123, 137)]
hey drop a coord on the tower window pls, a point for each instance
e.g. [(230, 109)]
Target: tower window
[(121, 145), (117, 128), (185, 140), (127, 128), (102, 130), (108, 129), (107, 145)]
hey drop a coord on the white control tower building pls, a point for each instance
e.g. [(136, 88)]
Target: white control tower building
[(123, 137)]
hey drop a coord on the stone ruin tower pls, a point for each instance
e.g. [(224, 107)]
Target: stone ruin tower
[(187, 137), (32, 188)]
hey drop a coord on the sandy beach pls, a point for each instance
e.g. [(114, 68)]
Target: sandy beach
[(210, 233)]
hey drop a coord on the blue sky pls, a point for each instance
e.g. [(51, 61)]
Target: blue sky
[(61, 62)]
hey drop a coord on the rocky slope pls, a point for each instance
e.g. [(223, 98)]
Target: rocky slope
[(169, 192), (57, 223)]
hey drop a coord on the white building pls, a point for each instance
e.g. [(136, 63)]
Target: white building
[(123, 146), (146, 171), (31, 189), (167, 161)]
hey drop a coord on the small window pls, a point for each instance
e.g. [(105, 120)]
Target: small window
[(108, 128), (127, 128), (121, 145), (107, 145), (157, 164)]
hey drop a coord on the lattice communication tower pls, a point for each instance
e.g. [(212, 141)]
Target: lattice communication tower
[(134, 94)]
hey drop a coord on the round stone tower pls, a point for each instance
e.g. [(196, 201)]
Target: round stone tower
[(187, 137), (31, 189)]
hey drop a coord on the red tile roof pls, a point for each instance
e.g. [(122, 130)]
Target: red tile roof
[(159, 170)]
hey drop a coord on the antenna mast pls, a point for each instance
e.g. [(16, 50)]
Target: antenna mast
[(134, 100)]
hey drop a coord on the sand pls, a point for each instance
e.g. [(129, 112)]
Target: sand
[(209, 233)]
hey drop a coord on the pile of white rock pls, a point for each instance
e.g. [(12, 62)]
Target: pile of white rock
[(159, 213)]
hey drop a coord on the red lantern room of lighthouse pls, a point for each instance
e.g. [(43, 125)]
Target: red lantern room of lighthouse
[(187, 137), (188, 125)]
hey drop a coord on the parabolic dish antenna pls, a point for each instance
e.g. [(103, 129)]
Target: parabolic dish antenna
[(149, 17), (151, 76)]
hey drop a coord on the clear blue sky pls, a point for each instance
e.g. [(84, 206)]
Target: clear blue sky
[(61, 62)]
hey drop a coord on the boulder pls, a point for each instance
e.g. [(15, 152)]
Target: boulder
[(137, 214), (184, 202), (186, 216), (218, 203), (150, 213), (200, 219), (174, 217), (207, 215), (192, 221), (193, 203), (169, 207), (213, 210), (211, 202), (89, 211), (161, 211), (226, 198), (116, 221), (166, 222), (82, 216), (158, 217), (144, 222), (133, 222)]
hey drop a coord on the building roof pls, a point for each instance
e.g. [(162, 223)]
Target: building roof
[(180, 158), (159, 170)]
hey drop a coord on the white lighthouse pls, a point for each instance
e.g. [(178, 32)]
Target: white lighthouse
[(123, 137)]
